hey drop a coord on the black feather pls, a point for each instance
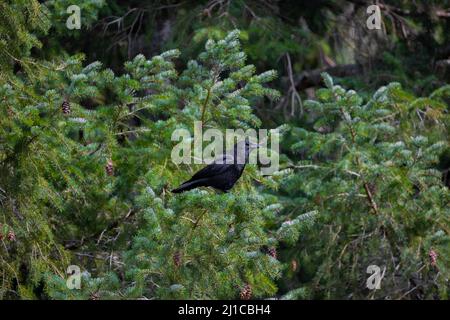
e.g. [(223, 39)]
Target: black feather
[(221, 176)]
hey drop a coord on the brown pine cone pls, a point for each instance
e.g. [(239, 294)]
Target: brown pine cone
[(246, 292), (177, 259), (11, 236), (109, 168), (272, 252), (94, 296), (294, 265), (65, 107), (433, 257)]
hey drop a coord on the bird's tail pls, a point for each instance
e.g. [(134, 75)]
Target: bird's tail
[(188, 185)]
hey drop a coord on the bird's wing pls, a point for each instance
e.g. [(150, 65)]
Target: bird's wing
[(210, 170), (219, 166)]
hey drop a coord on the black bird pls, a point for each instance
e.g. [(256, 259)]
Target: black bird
[(221, 175)]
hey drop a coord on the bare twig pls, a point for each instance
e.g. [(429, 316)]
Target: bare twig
[(295, 96)]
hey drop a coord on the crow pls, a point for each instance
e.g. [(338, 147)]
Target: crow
[(221, 175)]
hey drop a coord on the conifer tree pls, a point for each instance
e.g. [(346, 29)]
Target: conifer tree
[(85, 173), (85, 161), (370, 170), (21, 22)]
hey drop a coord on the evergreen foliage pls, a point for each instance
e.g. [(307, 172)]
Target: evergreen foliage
[(85, 149), (119, 222), (369, 168), (21, 22)]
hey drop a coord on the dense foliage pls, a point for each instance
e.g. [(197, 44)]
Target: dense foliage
[(86, 123), (369, 168)]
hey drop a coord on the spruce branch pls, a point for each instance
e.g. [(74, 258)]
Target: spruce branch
[(208, 94), (369, 194), (202, 119)]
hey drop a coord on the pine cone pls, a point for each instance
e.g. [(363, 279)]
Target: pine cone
[(317, 199), (10, 112), (272, 252), (246, 292), (11, 236), (95, 296), (177, 259), (294, 265), (109, 168), (65, 107), (433, 257)]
